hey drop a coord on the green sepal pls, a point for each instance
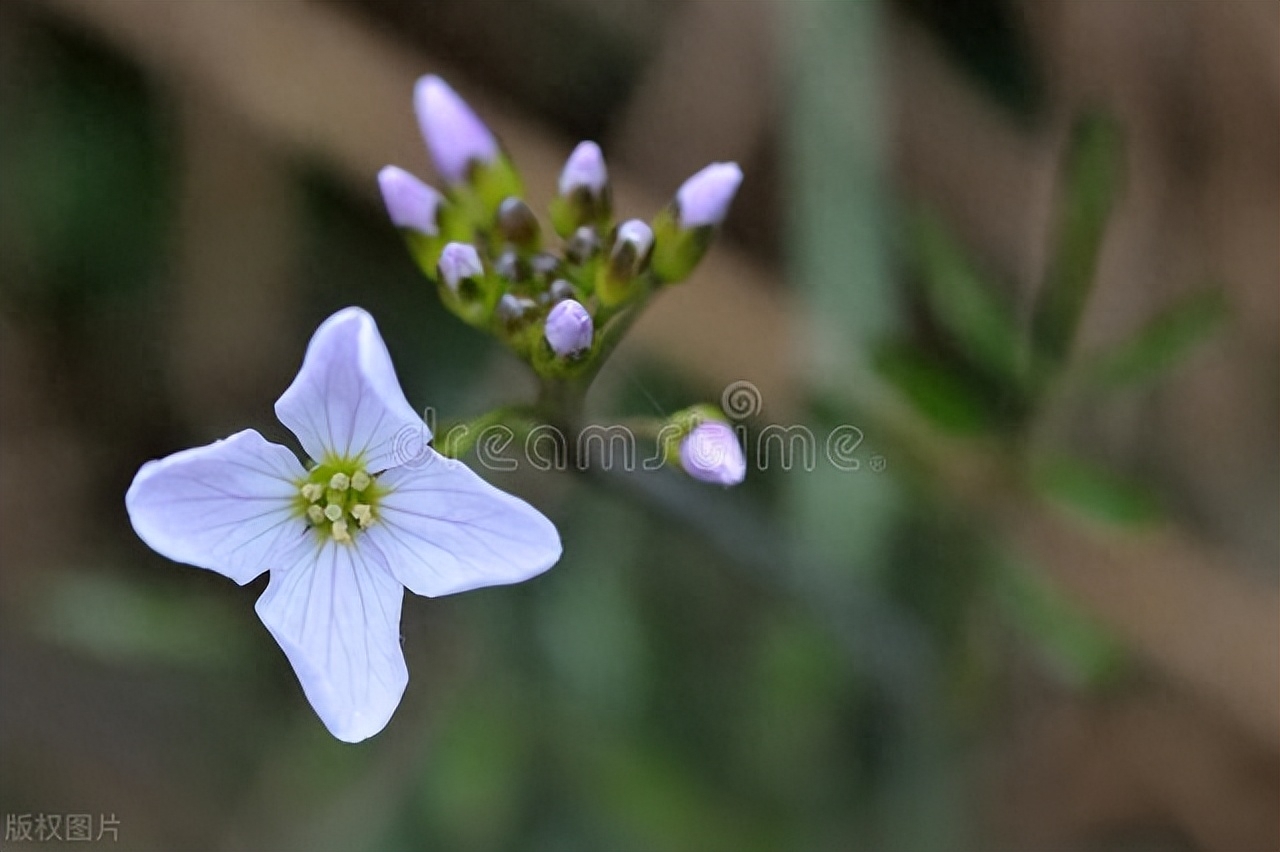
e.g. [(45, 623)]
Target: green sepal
[(677, 250), (620, 279), (682, 423), (580, 207), (475, 299), (425, 251), (477, 198), (547, 364)]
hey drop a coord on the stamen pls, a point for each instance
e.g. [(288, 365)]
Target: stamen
[(312, 491), (333, 512), (340, 531), (360, 480), (339, 481), (363, 514), (315, 515)]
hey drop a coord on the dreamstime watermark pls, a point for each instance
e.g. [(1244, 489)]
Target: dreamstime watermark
[(499, 447)]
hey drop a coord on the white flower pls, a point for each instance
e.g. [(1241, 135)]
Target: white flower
[(377, 512)]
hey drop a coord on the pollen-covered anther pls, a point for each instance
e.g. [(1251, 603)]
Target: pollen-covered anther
[(315, 515), (363, 515), (360, 480), (312, 491), (340, 531), (333, 512), (339, 481)]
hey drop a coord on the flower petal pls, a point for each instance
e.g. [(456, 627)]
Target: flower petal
[(227, 506), (346, 400), (336, 615), (442, 529)]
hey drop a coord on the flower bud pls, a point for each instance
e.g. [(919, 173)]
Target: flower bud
[(629, 256), (517, 224), (544, 264), (631, 246), (711, 453), (410, 202), (455, 135), (459, 262), (584, 169), (569, 328), (560, 290), (584, 197), (513, 311), (704, 198), (583, 245), (684, 230), (510, 266)]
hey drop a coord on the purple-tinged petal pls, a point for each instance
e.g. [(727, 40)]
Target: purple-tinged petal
[(711, 453), (459, 261), (346, 401), (637, 233), (228, 506), (336, 614), (442, 529), (704, 198), (584, 168), (454, 134), (410, 202), (569, 328)]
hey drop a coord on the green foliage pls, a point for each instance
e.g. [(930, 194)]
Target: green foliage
[(123, 622), (474, 783), (939, 393), (1162, 343), (1091, 178), (1095, 492), (84, 201), (1084, 652), (966, 306)]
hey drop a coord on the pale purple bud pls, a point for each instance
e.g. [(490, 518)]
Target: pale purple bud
[(459, 261), (704, 198), (410, 202), (636, 233), (711, 453), (455, 135), (569, 328), (584, 168)]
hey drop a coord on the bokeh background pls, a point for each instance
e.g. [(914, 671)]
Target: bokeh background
[(1041, 621)]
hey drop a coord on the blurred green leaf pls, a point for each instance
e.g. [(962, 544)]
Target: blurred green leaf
[(1096, 492), (86, 173), (962, 302), (1164, 341), (1092, 175), (655, 799), (1079, 648), (474, 781), (590, 627), (939, 394), (120, 621)]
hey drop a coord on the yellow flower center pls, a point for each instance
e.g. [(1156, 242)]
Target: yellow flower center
[(339, 499)]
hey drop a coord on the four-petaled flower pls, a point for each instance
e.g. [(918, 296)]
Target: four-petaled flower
[(378, 511)]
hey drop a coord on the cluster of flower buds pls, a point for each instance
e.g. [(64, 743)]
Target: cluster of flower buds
[(549, 297)]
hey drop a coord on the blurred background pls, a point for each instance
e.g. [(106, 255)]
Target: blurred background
[(1038, 615)]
